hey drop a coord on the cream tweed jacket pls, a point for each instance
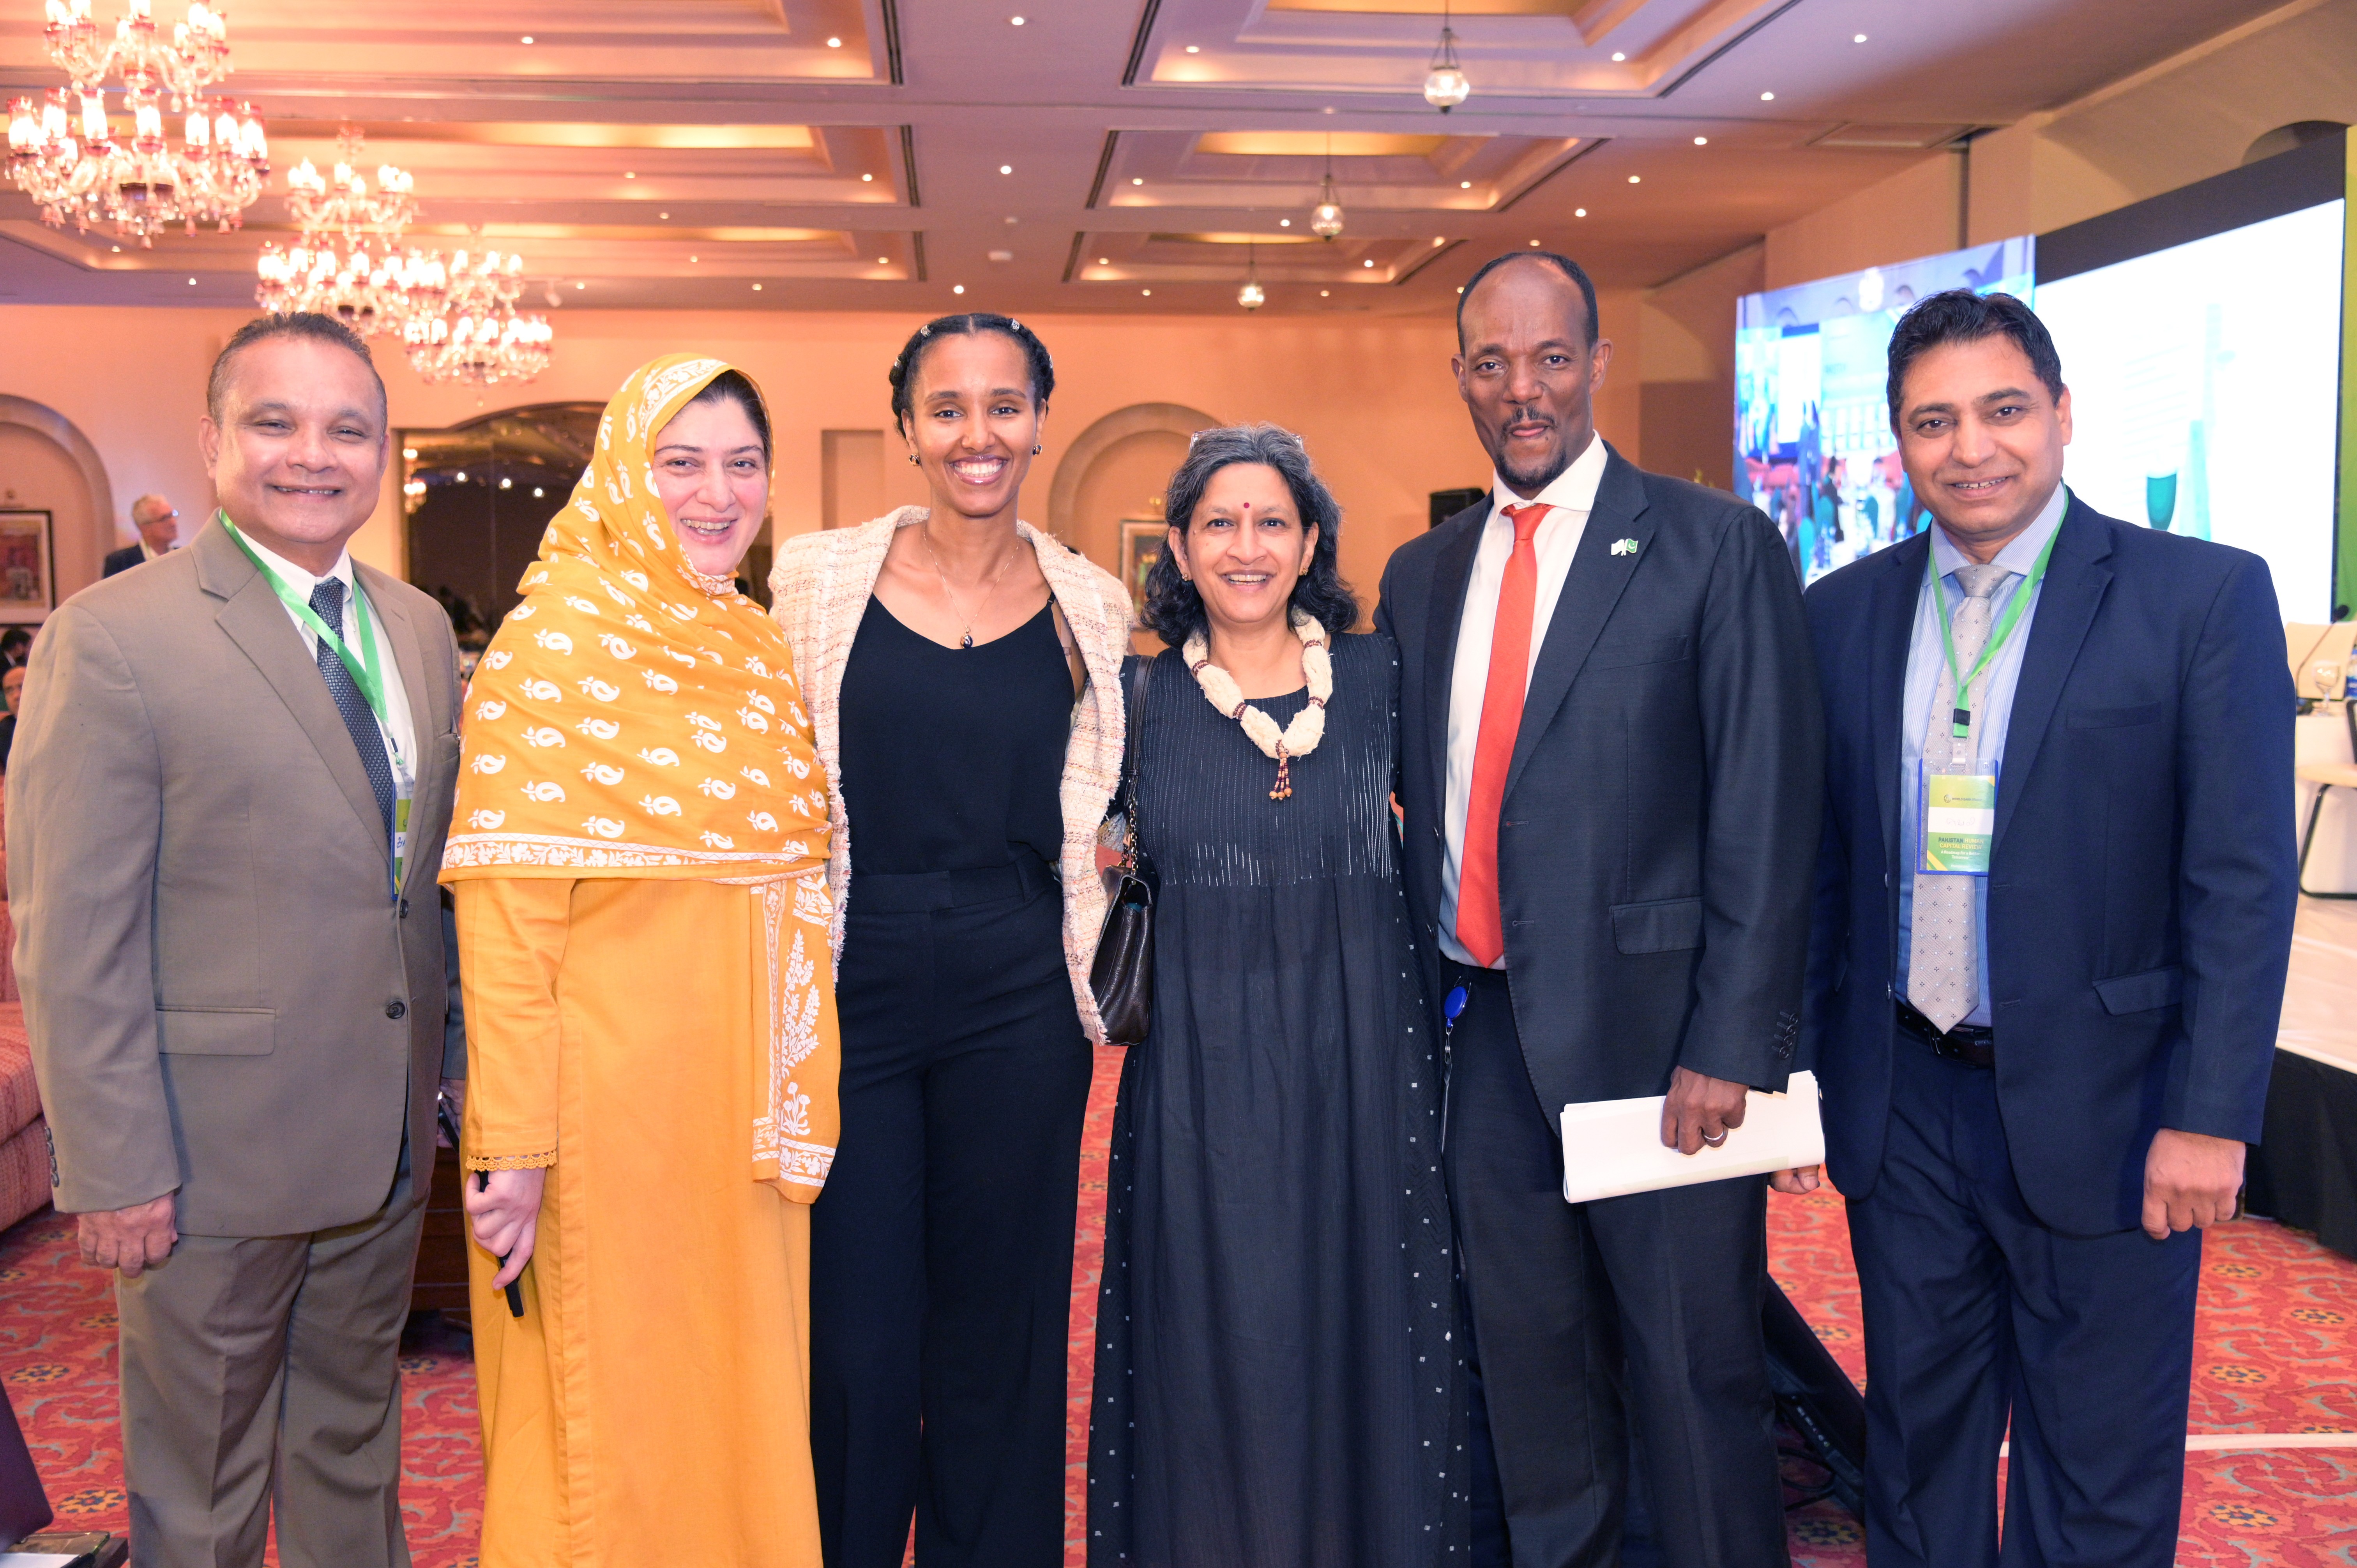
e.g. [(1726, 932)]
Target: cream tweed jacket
[(820, 586)]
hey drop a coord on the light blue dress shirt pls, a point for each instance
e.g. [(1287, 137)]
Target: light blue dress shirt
[(1925, 656)]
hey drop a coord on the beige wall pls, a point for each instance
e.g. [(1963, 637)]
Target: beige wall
[(1374, 400), (2183, 119), (39, 475)]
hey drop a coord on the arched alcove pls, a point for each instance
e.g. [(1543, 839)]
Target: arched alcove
[(1137, 438), (73, 489)]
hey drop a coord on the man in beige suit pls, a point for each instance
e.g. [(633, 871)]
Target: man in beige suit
[(226, 809)]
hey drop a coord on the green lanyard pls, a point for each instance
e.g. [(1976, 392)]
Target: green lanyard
[(1960, 718), (363, 668)]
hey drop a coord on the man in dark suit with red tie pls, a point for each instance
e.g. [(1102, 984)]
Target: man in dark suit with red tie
[(1611, 753)]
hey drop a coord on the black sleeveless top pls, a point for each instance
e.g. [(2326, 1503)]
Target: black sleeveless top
[(952, 757)]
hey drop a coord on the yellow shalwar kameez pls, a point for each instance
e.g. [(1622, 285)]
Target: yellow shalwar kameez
[(649, 1016)]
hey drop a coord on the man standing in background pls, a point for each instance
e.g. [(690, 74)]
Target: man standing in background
[(158, 522), (1610, 756), (225, 815), (2053, 919)]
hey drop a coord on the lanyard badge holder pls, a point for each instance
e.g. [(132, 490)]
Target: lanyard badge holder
[(1956, 801), (365, 675)]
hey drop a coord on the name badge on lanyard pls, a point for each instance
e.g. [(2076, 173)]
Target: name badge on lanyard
[(1959, 820)]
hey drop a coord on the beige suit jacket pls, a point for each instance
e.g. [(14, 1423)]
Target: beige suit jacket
[(224, 995)]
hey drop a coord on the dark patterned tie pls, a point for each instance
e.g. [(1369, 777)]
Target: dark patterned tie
[(327, 604)]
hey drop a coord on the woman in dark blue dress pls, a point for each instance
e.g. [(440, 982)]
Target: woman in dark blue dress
[(1276, 1380)]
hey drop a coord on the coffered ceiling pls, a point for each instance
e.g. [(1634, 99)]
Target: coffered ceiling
[(1092, 154)]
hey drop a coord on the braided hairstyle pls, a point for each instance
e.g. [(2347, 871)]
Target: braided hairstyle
[(903, 373)]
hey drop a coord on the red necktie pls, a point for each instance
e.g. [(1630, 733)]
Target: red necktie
[(1480, 928)]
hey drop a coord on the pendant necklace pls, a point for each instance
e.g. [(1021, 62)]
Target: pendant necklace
[(1299, 739), (987, 589)]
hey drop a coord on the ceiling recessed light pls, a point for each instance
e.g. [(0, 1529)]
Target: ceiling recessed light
[(581, 285), (1576, 212), (1282, 224), (409, 453), (1002, 255), (757, 288), (1636, 180), (1767, 98), (1145, 292), (1194, 49), (1534, 244), (527, 38), (1328, 108), (538, 494), (1701, 141), (193, 282), (508, 483), (957, 288), (1439, 240), (116, 249), (462, 476), (1325, 294), (867, 179), (834, 43), (629, 173), (1369, 262), (664, 216), (1006, 168), (883, 261), (1018, 21), (694, 258), (1138, 180), (1464, 185), (1858, 38), (1617, 56), (1012, 219), (1460, 288), (1102, 262)]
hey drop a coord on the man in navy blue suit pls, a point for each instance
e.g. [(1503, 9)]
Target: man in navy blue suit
[(2053, 917)]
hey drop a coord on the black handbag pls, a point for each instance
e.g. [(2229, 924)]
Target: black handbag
[(1120, 976)]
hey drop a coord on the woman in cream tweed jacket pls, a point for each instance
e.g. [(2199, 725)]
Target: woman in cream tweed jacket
[(820, 586)]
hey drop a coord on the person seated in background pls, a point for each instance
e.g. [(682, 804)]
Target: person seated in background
[(158, 524), (12, 693), (16, 646)]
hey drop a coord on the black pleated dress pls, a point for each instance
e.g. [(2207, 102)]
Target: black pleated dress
[(1278, 1383)]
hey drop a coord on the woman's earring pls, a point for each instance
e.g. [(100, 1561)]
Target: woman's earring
[(1035, 451), (912, 459)]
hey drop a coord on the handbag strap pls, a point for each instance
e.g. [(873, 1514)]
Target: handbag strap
[(1137, 676)]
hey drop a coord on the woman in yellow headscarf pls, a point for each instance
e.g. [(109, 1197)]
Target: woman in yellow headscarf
[(639, 857)]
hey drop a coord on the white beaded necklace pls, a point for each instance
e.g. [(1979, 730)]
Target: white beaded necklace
[(1299, 739)]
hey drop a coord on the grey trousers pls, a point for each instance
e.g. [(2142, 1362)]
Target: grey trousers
[(261, 1373)]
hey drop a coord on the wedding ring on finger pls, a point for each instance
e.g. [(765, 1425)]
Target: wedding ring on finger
[(1715, 1143)]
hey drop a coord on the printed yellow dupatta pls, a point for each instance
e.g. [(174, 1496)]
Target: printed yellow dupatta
[(625, 723)]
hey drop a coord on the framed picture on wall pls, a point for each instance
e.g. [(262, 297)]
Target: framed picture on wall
[(1143, 540), (28, 582)]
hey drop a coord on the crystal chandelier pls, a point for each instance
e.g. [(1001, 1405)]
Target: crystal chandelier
[(1447, 86), (63, 152), (348, 261), (1326, 217), (1252, 296), (478, 335)]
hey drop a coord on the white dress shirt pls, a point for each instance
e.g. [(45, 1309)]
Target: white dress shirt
[(1926, 656), (1572, 494), (399, 729)]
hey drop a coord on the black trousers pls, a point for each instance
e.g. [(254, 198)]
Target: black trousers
[(1977, 1315), (941, 1248), (1634, 1317)]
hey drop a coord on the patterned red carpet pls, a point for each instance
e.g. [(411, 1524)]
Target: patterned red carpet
[(2277, 1354)]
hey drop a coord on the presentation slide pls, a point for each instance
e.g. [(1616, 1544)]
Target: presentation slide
[(2205, 384), (1813, 443)]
